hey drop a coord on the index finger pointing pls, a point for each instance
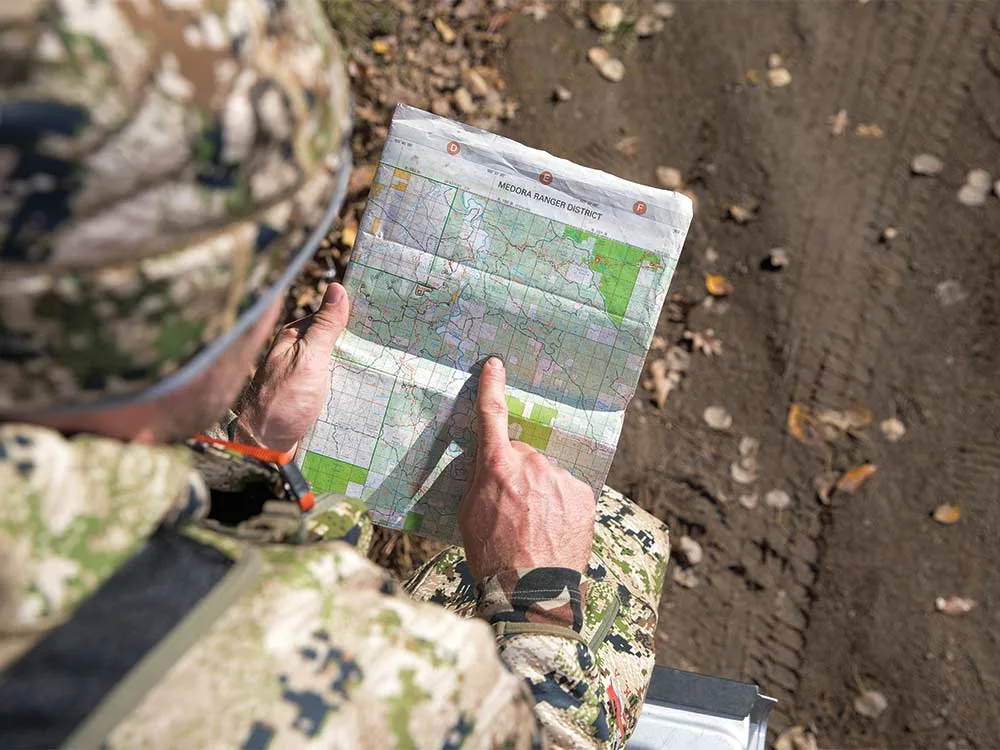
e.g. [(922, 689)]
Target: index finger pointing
[(491, 406)]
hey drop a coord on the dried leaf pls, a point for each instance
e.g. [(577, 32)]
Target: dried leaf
[(740, 214), (752, 76), (717, 285), (607, 16), (796, 738), (689, 550), (677, 359), (869, 130), (349, 236), (852, 480), (647, 25), (926, 165), (803, 425), (684, 577), (705, 341), (954, 606), (661, 382), (871, 703), (718, 418), (743, 472), (893, 429), (779, 77), (777, 499), (381, 47), (448, 35), (838, 123), (670, 178), (825, 484), (628, 146), (658, 344), (947, 514)]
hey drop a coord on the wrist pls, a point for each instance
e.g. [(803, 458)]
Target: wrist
[(541, 596)]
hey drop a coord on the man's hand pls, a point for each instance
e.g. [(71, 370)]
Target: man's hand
[(520, 511), (288, 391)]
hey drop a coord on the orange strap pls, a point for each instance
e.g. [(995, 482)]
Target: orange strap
[(261, 454)]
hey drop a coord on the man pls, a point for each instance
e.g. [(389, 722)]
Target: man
[(166, 167)]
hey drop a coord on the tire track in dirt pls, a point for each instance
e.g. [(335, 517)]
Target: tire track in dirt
[(833, 357)]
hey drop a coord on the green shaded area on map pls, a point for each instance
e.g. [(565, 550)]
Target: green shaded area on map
[(413, 522), (536, 429), (618, 264), (330, 475)]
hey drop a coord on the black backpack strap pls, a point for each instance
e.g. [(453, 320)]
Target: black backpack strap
[(83, 678)]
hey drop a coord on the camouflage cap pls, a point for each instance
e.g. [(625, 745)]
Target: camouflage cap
[(162, 165)]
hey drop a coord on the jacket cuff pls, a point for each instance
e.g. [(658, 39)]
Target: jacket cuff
[(535, 596)]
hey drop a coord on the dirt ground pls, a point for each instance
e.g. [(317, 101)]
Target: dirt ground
[(816, 602)]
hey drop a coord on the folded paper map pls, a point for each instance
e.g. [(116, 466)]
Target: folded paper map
[(473, 245)]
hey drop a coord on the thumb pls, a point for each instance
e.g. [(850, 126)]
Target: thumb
[(491, 407), (325, 325)]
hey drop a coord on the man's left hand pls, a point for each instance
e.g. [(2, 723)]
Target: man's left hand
[(288, 391)]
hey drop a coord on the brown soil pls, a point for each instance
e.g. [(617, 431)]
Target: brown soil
[(814, 601)]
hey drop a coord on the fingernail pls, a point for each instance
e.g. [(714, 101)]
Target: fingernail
[(495, 361), (334, 293)]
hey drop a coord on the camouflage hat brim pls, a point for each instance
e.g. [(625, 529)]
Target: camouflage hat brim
[(162, 164), (98, 338)]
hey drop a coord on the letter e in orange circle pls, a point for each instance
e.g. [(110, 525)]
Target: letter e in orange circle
[(545, 178)]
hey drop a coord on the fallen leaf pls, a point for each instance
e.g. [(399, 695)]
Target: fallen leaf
[(448, 35), (926, 165), (381, 47), (628, 146), (796, 738), (684, 577), (562, 94), (777, 499), (662, 381), (950, 293), (717, 285), (803, 425), (705, 342), (689, 550), (869, 130), (670, 178), (888, 234), (871, 704), (349, 236), (979, 179), (838, 123), (739, 214), (743, 472), (607, 16), (677, 359), (893, 429), (749, 447), (647, 25), (658, 344), (852, 480), (854, 417), (777, 258), (664, 10), (752, 76), (971, 195), (825, 484), (779, 77), (718, 418), (947, 514), (954, 606)]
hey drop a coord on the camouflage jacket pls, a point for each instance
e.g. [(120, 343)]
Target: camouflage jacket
[(309, 642)]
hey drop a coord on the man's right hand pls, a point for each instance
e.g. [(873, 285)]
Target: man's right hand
[(520, 511)]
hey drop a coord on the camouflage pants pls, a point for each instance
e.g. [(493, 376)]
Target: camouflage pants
[(623, 585)]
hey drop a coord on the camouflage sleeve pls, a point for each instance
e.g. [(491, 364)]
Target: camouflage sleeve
[(538, 618)]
